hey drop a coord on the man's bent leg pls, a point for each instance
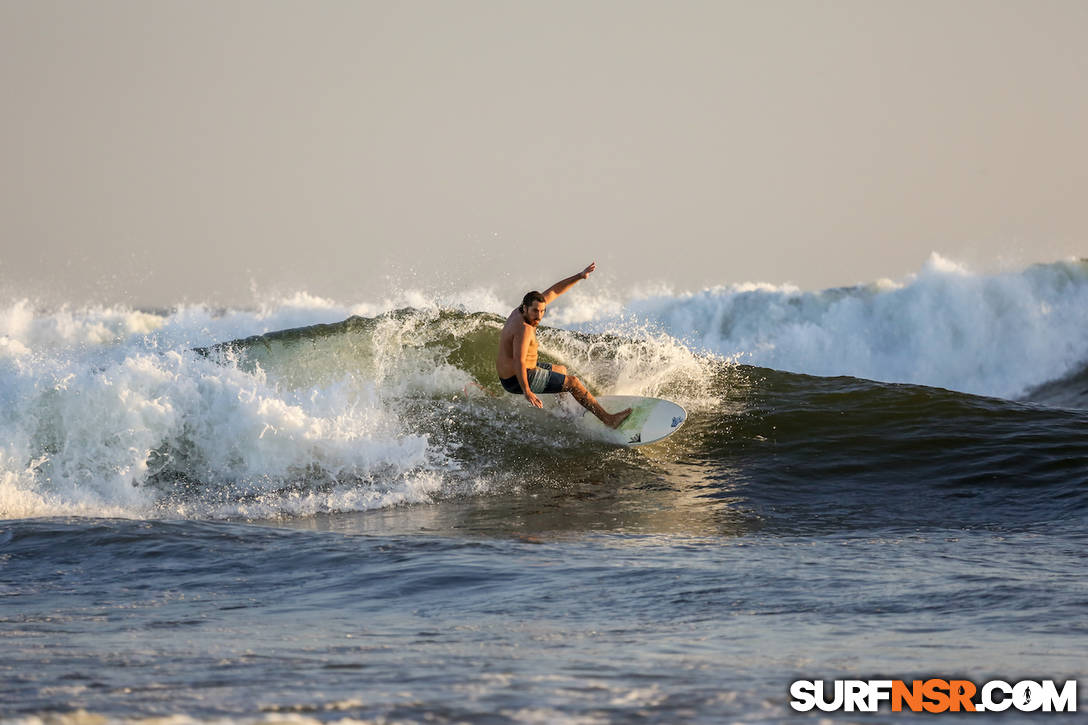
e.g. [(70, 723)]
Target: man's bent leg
[(574, 386), (562, 370)]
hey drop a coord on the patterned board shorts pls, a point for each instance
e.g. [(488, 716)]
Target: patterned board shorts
[(542, 379)]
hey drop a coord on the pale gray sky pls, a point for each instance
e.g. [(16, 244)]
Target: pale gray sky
[(155, 152)]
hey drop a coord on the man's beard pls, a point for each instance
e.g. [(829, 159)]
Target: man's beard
[(528, 321)]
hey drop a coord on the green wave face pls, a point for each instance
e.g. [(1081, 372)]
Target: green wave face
[(410, 344), (760, 447), (371, 349)]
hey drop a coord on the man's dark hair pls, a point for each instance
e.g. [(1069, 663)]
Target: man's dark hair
[(530, 298)]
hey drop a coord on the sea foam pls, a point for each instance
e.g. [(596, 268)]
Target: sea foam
[(99, 405), (110, 411), (988, 334)]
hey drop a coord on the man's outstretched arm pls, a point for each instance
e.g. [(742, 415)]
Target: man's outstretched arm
[(563, 285)]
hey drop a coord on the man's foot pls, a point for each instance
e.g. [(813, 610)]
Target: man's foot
[(615, 419)]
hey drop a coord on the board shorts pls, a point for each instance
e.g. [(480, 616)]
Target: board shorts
[(542, 379)]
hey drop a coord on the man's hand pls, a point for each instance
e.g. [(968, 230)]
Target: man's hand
[(565, 284), (533, 399)]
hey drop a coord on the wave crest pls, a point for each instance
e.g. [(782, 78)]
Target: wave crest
[(945, 327)]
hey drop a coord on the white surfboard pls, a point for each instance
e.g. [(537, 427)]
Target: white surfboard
[(651, 419)]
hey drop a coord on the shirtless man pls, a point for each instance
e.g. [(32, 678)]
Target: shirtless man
[(519, 371)]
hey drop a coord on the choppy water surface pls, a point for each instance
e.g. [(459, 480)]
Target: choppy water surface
[(343, 519)]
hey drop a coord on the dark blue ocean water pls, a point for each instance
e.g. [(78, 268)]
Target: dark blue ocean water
[(687, 582), (345, 617), (351, 522)]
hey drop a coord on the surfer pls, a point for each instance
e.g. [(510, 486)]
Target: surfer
[(517, 365)]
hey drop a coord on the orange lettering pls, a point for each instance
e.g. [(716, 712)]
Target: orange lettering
[(961, 692), (912, 695), (936, 690)]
